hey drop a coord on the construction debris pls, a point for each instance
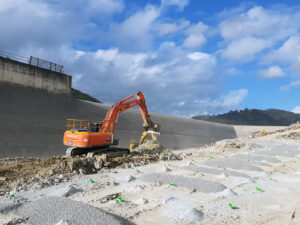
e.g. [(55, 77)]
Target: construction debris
[(34, 173), (291, 135)]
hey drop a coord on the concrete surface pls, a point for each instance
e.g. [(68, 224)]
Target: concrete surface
[(215, 171), (201, 185), (31, 76), (233, 164), (33, 122), (245, 131)]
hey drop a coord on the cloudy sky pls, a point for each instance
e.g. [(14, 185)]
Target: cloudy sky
[(189, 57)]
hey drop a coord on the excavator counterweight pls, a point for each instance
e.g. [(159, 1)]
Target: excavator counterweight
[(96, 137)]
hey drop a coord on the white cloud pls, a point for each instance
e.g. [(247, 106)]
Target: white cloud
[(195, 37), (106, 6), (198, 56), (169, 28), (271, 72), (234, 98), (288, 53), (179, 3), (135, 32), (51, 24), (290, 85), (260, 22), (245, 49), (296, 109), (257, 29), (231, 101)]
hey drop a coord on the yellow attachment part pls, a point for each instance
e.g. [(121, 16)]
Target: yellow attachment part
[(132, 146), (143, 137), (154, 138)]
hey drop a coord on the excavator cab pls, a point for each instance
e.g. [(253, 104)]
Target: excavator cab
[(87, 126)]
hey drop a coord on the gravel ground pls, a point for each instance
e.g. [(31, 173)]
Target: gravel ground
[(8, 207), (49, 211), (216, 171), (200, 184)]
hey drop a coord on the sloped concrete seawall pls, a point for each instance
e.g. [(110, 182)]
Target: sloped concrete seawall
[(32, 123)]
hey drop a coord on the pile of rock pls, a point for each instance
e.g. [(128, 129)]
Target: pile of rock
[(155, 149), (233, 145), (291, 135)]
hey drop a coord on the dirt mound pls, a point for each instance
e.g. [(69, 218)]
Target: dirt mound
[(25, 173), (291, 135), (234, 145), (22, 174), (292, 127), (155, 149)]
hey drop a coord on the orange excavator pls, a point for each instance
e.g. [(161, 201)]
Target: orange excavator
[(97, 137)]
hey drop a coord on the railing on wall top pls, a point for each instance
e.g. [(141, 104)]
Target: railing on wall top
[(34, 61)]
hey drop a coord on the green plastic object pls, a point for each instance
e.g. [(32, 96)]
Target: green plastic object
[(201, 174), (12, 196), (210, 157), (193, 160), (138, 171), (171, 184), (271, 178), (224, 168), (169, 164), (121, 199), (91, 181), (231, 206), (258, 189), (283, 172)]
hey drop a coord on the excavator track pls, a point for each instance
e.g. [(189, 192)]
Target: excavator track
[(73, 151), (111, 151), (90, 152)]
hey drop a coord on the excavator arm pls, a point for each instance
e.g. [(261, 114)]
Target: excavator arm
[(110, 121)]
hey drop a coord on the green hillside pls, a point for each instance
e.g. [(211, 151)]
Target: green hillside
[(80, 95), (269, 117)]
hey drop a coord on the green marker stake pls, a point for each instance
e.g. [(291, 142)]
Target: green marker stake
[(171, 184), (121, 199), (138, 171), (231, 206), (258, 189), (211, 157), (201, 174), (91, 181), (12, 196), (169, 164)]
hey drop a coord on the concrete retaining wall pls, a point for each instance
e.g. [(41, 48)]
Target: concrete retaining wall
[(31, 76), (32, 123)]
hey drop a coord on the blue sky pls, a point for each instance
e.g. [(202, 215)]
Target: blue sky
[(189, 57)]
